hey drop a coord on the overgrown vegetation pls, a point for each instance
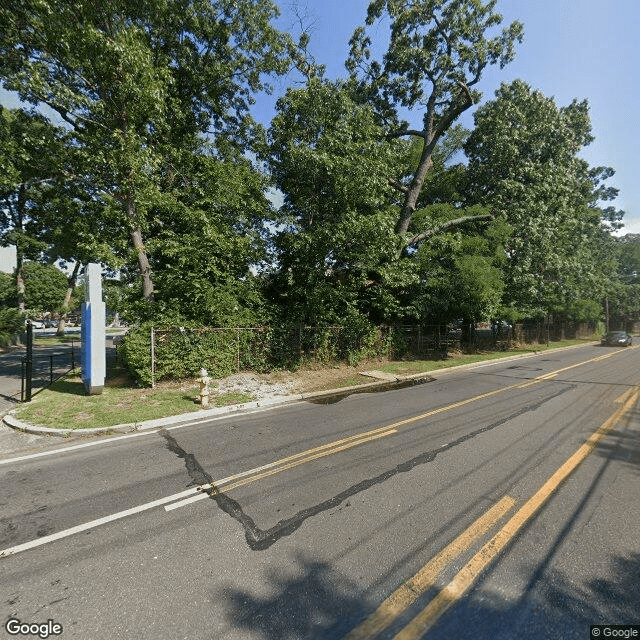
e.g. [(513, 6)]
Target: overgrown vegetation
[(180, 352), (392, 213)]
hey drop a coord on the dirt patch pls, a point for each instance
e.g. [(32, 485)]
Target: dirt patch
[(333, 377), (281, 383)]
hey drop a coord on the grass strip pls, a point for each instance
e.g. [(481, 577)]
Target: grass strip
[(65, 406), (409, 367)]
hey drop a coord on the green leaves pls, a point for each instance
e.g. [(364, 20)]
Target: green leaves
[(434, 45), (45, 288), (138, 86), (523, 163)]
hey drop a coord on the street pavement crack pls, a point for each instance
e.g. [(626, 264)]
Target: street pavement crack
[(260, 540), (197, 474)]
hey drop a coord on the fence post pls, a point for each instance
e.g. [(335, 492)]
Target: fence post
[(153, 359), (238, 348)]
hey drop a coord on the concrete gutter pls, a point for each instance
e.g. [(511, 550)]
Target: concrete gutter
[(248, 407)]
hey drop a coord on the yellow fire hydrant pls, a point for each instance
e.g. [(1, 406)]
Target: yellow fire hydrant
[(204, 382)]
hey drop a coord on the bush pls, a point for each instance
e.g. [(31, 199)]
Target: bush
[(180, 352), (134, 353), (11, 325)]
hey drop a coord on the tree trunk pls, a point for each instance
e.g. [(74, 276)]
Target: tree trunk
[(143, 264), (20, 282), (143, 259), (19, 249), (430, 133), (413, 193), (73, 279)]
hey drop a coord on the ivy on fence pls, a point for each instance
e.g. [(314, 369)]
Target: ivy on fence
[(180, 352)]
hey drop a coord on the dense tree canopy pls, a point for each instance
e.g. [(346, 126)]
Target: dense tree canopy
[(45, 288), (524, 164), (138, 84), (351, 178), (151, 166)]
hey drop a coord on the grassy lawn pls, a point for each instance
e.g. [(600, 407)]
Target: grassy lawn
[(65, 406), (50, 341), (420, 366)]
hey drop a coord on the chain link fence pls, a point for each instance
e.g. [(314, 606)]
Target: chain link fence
[(180, 352)]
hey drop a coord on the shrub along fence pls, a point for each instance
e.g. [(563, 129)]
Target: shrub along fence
[(152, 354)]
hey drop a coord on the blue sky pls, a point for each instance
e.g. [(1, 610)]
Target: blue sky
[(572, 49)]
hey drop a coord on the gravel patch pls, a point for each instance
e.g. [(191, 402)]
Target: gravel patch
[(258, 388)]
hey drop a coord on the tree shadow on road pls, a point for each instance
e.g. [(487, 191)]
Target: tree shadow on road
[(306, 599), (623, 445), (556, 607)]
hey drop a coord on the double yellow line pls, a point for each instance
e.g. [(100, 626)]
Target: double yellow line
[(401, 599), (309, 455), (283, 464)]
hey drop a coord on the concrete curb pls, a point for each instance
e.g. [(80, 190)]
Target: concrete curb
[(11, 421)]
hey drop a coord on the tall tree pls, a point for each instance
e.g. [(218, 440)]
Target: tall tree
[(337, 249), (137, 83), (437, 53), (45, 287), (30, 150), (524, 163), (352, 181)]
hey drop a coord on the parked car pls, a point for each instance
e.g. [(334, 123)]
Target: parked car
[(617, 339), (37, 324)]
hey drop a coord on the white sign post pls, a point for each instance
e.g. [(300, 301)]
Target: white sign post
[(92, 332)]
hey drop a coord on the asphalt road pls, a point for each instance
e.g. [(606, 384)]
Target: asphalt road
[(466, 507)]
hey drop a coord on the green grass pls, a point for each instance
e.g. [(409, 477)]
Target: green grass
[(65, 406), (420, 366), (47, 341)]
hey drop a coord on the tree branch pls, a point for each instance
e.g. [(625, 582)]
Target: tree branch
[(447, 225), (406, 132), (451, 115), (398, 185)]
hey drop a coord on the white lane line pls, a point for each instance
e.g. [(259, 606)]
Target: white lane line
[(139, 434), (95, 523), (195, 493), (186, 501)]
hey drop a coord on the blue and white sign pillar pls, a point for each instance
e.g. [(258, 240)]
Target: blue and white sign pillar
[(92, 332)]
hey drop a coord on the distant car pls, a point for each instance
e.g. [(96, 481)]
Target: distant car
[(617, 339), (37, 324)]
